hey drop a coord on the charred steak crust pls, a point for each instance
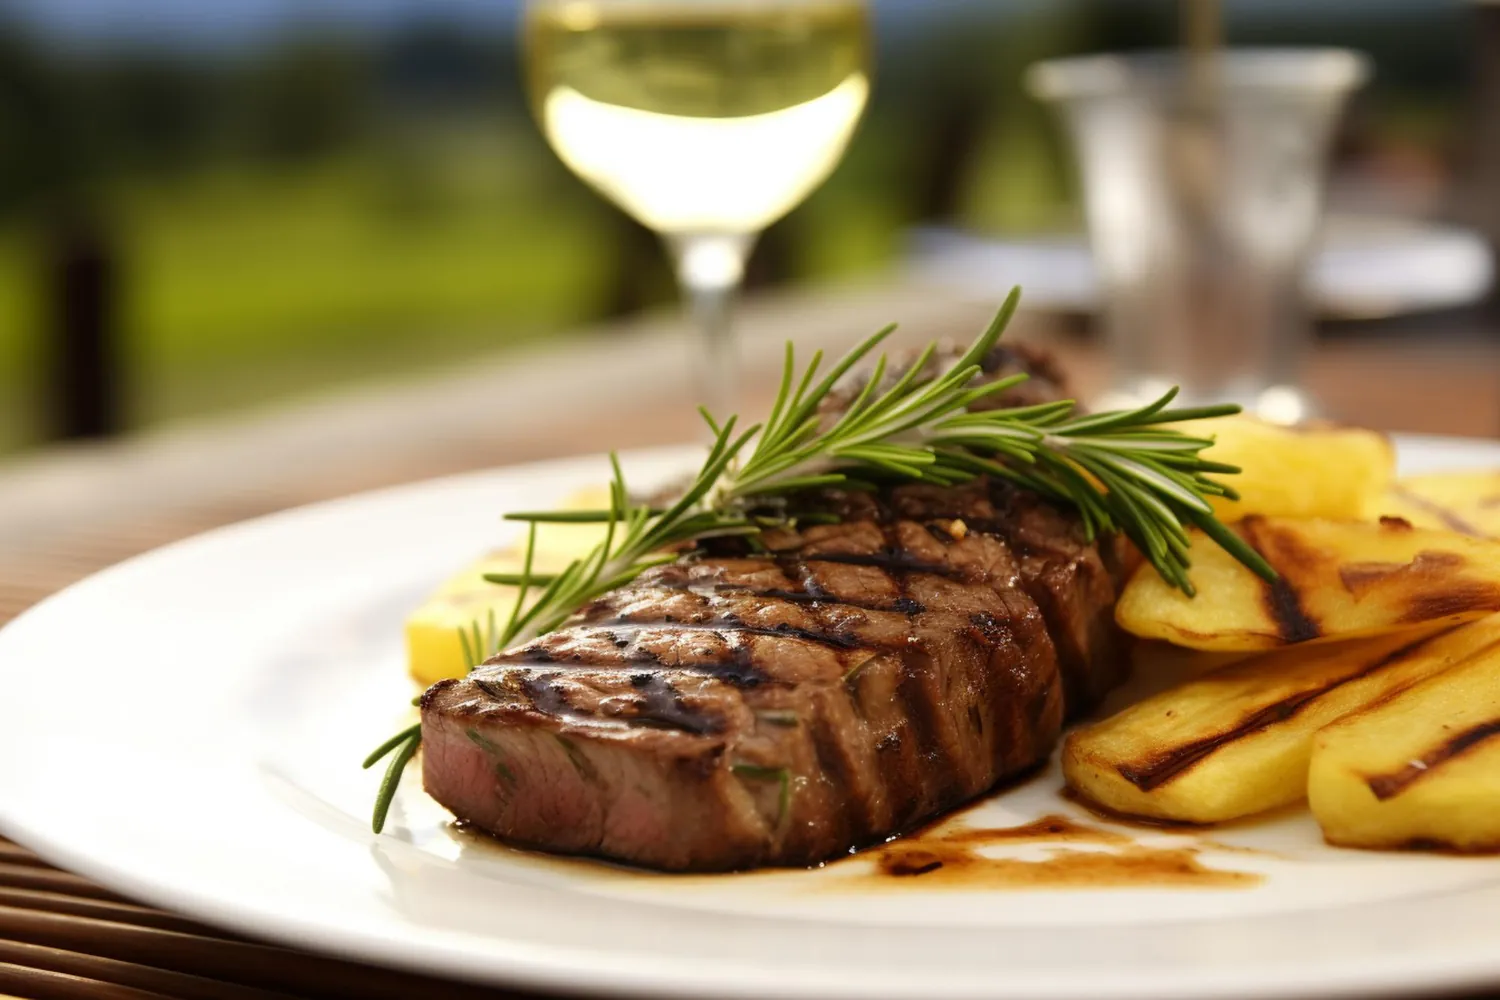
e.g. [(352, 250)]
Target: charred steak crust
[(725, 712), (780, 707), (1074, 582)]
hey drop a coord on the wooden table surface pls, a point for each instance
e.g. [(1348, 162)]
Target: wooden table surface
[(69, 512)]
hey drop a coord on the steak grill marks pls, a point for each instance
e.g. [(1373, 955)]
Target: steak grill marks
[(881, 670), (894, 560), (904, 605), (887, 671), (620, 627), (662, 705), (661, 702)]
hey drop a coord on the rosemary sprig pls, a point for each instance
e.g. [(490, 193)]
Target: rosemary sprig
[(1125, 471), (635, 540)]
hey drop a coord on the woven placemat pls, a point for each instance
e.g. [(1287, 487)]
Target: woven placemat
[(63, 936)]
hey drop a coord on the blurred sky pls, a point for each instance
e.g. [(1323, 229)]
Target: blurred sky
[(236, 23)]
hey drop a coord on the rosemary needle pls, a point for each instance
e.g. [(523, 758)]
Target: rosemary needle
[(406, 748), (1125, 471)]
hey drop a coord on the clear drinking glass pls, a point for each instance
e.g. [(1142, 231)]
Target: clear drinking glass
[(707, 120), (1203, 181)]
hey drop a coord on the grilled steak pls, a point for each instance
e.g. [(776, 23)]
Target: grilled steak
[(1073, 581), (729, 711), (1044, 379), (779, 707)]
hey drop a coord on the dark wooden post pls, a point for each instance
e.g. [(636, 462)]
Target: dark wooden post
[(82, 342)]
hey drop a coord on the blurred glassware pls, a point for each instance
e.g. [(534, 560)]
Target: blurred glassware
[(707, 120), (1203, 184), (1363, 267)]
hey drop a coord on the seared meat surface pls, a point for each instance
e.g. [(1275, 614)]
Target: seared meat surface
[(728, 711), (849, 681), (1073, 581)]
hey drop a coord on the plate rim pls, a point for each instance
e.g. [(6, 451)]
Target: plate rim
[(568, 967)]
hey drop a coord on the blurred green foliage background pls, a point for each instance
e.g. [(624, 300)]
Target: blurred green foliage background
[(325, 201)]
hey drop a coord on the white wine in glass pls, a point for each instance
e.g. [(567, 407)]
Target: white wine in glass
[(707, 120)]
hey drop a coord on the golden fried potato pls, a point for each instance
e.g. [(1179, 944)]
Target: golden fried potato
[(1237, 741), (1338, 580), (1466, 502), (433, 647), (1420, 769), (1314, 470)]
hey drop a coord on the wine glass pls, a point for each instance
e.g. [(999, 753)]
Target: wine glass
[(707, 120)]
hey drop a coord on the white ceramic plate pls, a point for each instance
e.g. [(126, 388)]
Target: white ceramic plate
[(187, 726)]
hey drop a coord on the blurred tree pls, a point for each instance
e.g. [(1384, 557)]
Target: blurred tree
[(154, 114), (1116, 25), (436, 65), (308, 99), (41, 133), (49, 157)]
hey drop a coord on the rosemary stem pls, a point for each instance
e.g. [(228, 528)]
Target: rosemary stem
[(1128, 471)]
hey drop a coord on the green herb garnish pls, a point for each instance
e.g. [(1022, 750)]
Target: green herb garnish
[(756, 772), (1124, 471)]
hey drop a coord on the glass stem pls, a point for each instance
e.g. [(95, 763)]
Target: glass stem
[(710, 268)]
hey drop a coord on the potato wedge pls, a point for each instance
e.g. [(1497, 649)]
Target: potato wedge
[(1154, 657), (1338, 580), (1237, 741), (1466, 502), (1418, 770), (433, 648), (1314, 470)]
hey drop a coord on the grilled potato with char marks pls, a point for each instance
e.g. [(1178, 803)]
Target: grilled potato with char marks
[(1339, 580), (1162, 659), (1420, 769), (1467, 502), (1237, 741), (1312, 470)]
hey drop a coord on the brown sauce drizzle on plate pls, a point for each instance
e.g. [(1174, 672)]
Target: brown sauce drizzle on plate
[(951, 856), (1131, 866)]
